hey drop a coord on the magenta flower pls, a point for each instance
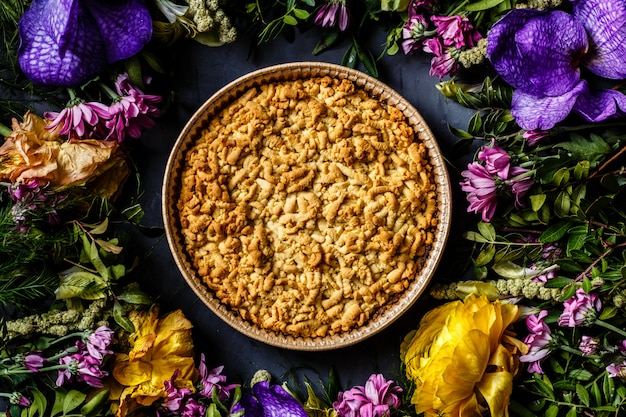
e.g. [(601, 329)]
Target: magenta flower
[(540, 53), (33, 361), (32, 202), (99, 341), (497, 160), (456, 31), (415, 33), (69, 42), (533, 137), (81, 368), (538, 341), (581, 309), (445, 60), (375, 399), (482, 190), (213, 380), (175, 396), (131, 112), (78, 120), (333, 12), (589, 345), (19, 399), (193, 409)]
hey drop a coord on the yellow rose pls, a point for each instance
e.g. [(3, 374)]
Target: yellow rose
[(463, 358), (158, 348)]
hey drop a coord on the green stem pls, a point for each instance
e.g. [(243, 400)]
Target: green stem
[(610, 327)]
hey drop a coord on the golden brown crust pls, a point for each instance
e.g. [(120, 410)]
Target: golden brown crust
[(307, 205)]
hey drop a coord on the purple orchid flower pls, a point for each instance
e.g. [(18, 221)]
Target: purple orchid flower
[(67, 42), (270, 401), (540, 53)]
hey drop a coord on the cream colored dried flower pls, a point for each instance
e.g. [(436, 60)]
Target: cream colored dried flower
[(213, 25)]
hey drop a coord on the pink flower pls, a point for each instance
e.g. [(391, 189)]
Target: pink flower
[(33, 361), (617, 370), (375, 399), (482, 190), (99, 341), (519, 184), (444, 62), (81, 366), (19, 399), (131, 112), (589, 345), (79, 120), (581, 309), (175, 396), (538, 341), (331, 13), (452, 29), (533, 137), (213, 380), (414, 33), (193, 409), (497, 160)]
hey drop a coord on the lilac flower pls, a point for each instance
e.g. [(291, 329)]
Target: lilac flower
[(213, 380), (581, 309), (193, 409), (617, 370), (482, 190), (540, 53), (375, 399), (33, 361), (78, 120), (270, 401), (33, 202), (99, 341), (589, 345), (81, 368), (333, 12), (538, 340), (68, 42)]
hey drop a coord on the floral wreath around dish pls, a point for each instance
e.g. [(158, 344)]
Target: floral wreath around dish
[(535, 326)]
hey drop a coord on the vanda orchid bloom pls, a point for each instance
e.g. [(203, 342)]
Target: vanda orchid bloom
[(67, 42), (541, 54)]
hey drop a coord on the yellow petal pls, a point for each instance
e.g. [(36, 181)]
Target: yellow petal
[(131, 373)]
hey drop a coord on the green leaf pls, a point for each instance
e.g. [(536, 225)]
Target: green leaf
[(537, 201), (301, 14), (94, 405), (608, 388), (608, 312), (572, 412), (562, 204), (80, 284), (461, 134), (482, 5), (485, 256), (135, 297), (290, 20), (72, 400), (558, 282), (475, 124), (38, 404), (121, 318), (109, 247), (509, 270), (368, 60), (94, 258), (329, 38), (474, 237), (552, 411), (583, 149), (583, 394), (487, 230), (596, 393), (100, 228), (581, 374), (560, 177), (117, 271), (349, 58), (555, 232)]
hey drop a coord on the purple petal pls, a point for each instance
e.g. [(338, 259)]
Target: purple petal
[(536, 51), (605, 22), (125, 26), (58, 46), (543, 112), (599, 105), (276, 401)]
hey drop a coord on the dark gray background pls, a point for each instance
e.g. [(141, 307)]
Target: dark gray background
[(198, 72)]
